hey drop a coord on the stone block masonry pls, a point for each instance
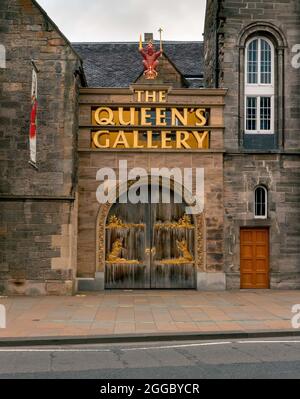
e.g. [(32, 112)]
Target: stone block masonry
[(37, 247), (37, 207), (280, 173), (229, 24)]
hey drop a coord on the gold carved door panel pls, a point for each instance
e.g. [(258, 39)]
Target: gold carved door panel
[(150, 246)]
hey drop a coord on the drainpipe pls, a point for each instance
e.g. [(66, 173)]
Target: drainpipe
[(217, 67)]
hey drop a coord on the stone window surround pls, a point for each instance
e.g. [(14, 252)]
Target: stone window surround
[(265, 216), (103, 213), (259, 90), (274, 34)]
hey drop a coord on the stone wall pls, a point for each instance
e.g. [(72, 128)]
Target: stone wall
[(276, 166), (280, 20), (89, 208), (210, 43), (280, 174), (38, 207), (37, 251)]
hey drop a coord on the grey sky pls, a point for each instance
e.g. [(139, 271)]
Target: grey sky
[(124, 20)]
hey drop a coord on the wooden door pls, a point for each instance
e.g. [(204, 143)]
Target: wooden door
[(150, 246), (254, 267), (127, 245), (172, 243)]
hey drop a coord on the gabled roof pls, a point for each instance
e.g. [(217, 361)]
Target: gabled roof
[(165, 74), (49, 22), (119, 64)]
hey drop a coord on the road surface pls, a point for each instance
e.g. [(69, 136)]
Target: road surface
[(252, 358)]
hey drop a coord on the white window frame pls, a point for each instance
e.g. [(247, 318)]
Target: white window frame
[(265, 216), (259, 89)]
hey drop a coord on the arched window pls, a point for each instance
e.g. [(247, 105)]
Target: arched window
[(259, 86), (261, 203)]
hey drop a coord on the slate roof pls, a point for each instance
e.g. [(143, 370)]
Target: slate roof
[(119, 64)]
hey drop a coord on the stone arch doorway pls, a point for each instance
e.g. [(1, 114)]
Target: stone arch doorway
[(149, 245)]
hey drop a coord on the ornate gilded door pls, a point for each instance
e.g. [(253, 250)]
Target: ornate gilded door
[(172, 246), (150, 246), (127, 263)]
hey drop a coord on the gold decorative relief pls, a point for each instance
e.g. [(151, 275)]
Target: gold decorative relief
[(183, 223), (186, 222), (114, 256), (103, 212), (183, 248), (115, 223), (200, 242), (185, 258)]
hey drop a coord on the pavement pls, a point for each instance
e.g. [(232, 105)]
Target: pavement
[(117, 314)]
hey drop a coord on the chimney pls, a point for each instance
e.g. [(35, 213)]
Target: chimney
[(148, 37)]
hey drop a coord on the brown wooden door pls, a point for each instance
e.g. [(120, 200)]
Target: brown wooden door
[(254, 258)]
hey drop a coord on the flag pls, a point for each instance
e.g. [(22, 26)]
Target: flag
[(33, 118)]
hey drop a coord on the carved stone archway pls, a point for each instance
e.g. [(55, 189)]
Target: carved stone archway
[(104, 211)]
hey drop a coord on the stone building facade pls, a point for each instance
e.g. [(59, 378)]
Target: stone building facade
[(271, 160), (51, 224), (94, 226), (38, 206)]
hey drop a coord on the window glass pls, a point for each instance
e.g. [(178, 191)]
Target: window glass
[(265, 113), (259, 87), (260, 202), (265, 62), (251, 115), (253, 62)]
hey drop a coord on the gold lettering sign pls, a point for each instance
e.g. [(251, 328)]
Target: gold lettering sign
[(151, 96), (166, 139), (149, 116), (152, 124)]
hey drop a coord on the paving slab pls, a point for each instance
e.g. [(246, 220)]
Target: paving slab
[(149, 313)]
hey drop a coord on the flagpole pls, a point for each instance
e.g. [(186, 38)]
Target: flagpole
[(160, 30)]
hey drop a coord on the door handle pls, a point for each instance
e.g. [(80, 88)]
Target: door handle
[(149, 251)]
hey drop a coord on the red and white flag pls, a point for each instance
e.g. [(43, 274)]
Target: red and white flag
[(33, 118)]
